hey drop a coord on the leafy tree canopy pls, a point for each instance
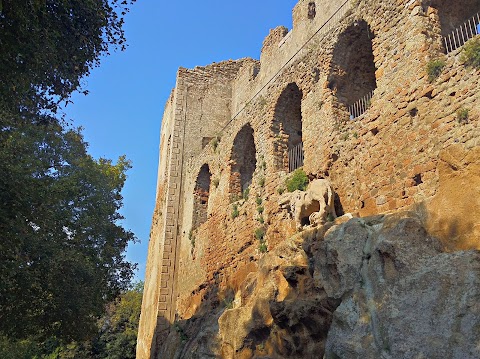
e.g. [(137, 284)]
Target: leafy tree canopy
[(116, 335), (61, 247), (48, 46), (61, 242)]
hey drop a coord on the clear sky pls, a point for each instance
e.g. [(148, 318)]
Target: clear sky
[(123, 112)]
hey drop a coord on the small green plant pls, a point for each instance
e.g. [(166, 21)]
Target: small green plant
[(228, 303), (298, 180), (434, 68), (181, 332), (191, 238), (355, 134), (471, 52), (260, 209), (262, 102), (215, 142), (245, 193), (215, 182), (462, 115), (259, 234), (261, 219), (264, 165), (235, 212), (330, 217), (262, 247), (280, 190), (261, 181), (258, 201), (345, 136)]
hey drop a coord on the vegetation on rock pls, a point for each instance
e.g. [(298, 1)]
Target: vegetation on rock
[(462, 115), (434, 68), (471, 52), (259, 234), (235, 212), (298, 181)]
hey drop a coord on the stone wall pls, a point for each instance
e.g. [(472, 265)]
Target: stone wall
[(387, 159)]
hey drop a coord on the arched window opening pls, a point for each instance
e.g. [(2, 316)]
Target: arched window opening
[(458, 20), (200, 197), (311, 10), (352, 76), (243, 161), (287, 126)]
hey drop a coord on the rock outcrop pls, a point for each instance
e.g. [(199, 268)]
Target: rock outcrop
[(314, 206), (374, 287)]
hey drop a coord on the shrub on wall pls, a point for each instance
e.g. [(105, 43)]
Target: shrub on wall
[(299, 180), (434, 68), (471, 52), (462, 115), (235, 212)]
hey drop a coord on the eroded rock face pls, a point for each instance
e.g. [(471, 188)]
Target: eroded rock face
[(403, 298), (377, 287)]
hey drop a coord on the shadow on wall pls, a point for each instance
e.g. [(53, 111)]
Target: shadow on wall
[(191, 338), (275, 307), (452, 214), (243, 162), (275, 310), (352, 73)]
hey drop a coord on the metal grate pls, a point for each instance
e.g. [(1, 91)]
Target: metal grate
[(462, 34), (295, 157), (360, 106)]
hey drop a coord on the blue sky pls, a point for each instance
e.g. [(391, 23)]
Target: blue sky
[(123, 112)]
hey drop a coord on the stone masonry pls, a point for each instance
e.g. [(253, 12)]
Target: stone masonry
[(229, 126)]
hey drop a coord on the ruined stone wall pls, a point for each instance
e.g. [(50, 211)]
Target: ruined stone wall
[(197, 109), (386, 159), (154, 296)]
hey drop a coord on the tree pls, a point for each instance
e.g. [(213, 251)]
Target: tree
[(61, 248), (48, 46), (61, 242), (119, 327), (116, 335)]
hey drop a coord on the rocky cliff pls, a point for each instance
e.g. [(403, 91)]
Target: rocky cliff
[(373, 287)]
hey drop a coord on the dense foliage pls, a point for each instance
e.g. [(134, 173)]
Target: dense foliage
[(61, 248), (116, 336), (48, 46), (61, 242)]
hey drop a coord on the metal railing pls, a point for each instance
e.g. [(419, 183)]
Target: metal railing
[(462, 34), (295, 157), (360, 106)]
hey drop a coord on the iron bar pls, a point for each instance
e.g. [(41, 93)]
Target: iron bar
[(295, 157), (462, 34)]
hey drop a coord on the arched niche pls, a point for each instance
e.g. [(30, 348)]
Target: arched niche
[(451, 14), (243, 161), (201, 195), (287, 127), (352, 72)]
